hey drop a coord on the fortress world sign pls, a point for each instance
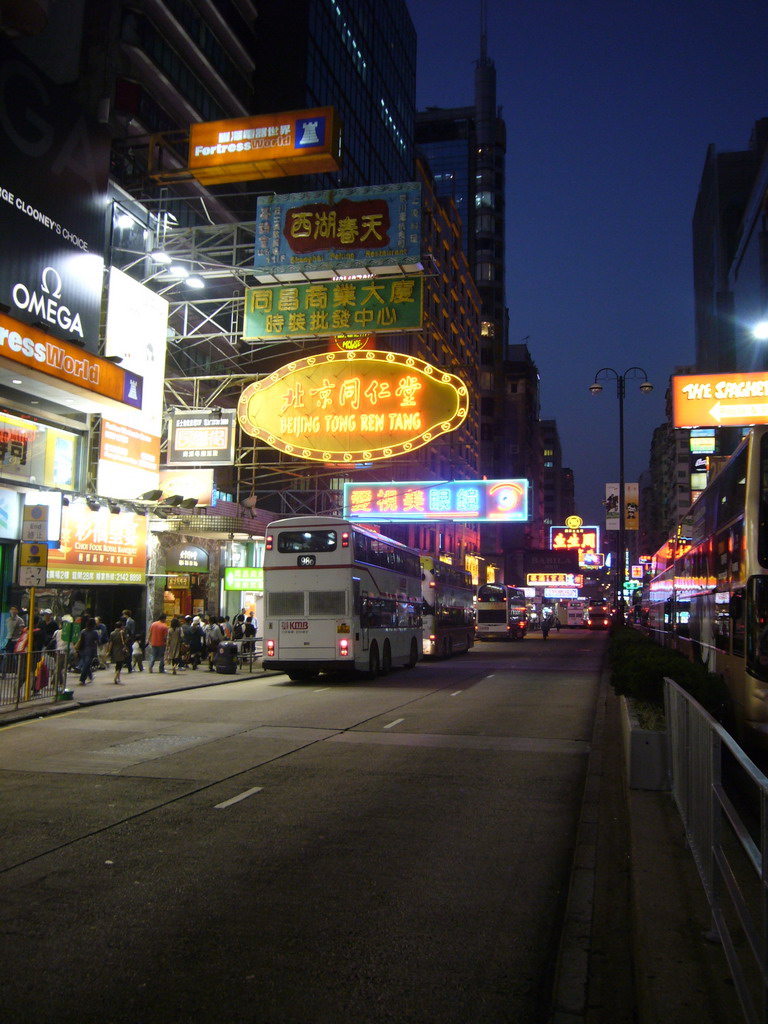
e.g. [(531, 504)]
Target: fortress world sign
[(345, 407)]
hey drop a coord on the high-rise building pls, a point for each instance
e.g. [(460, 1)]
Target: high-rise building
[(466, 151)]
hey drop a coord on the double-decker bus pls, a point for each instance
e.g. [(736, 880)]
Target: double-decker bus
[(502, 612), (448, 608), (338, 598), (598, 615), (709, 594)]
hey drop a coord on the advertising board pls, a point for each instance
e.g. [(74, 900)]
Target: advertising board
[(720, 399), (479, 501), (53, 203), (346, 407), (321, 310), (99, 547), (203, 437), (265, 146), (344, 228)]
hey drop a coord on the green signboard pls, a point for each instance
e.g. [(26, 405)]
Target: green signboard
[(237, 578), (372, 306)]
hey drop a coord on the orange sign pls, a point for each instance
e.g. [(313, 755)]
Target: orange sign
[(720, 399), (37, 350), (353, 406), (265, 146), (99, 547)]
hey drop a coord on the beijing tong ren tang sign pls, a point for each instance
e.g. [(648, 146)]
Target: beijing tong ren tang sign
[(353, 406)]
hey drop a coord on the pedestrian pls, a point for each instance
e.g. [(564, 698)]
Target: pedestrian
[(49, 627), (137, 656), (129, 625), (13, 627), (61, 647), (88, 650), (196, 641), (173, 645), (557, 624), (119, 651), (213, 637), (238, 629), (102, 649), (546, 625), (156, 638)]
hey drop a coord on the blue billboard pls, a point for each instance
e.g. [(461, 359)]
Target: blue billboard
[(316, 233)]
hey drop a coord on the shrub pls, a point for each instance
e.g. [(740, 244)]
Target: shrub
[(638, 667)]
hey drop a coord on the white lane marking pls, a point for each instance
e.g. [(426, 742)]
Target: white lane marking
[(238, 798), (397, 721), (322, 689), (491, 675), (456, 693)]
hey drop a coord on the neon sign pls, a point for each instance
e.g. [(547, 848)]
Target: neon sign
[(584, 539), (546, 579), (353, 406), (480, 501)]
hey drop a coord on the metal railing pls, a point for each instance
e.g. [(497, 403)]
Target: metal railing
[(722, 798), (47, 678)]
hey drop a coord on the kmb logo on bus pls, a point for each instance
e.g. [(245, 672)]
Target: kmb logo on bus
[(294, 625)]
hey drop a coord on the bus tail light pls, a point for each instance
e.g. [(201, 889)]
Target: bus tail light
[(270, 648), (343, 648), (345, 540), (268, 542)]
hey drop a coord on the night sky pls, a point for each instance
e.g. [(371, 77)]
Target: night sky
[(610, 106)]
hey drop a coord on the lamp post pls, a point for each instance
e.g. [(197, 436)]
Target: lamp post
[(608, 373)]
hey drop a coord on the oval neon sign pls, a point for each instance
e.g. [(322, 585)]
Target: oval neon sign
[(353, 406)]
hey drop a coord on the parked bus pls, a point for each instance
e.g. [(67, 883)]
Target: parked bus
[(502, 612), (571, 612), (339, 598), (448, 608), (708, 596)]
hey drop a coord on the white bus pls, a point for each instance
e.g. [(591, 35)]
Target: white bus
[(502, 612), (448, 608), (339, 598)]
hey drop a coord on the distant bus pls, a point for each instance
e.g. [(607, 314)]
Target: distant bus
[(339, 598), (448, 608), (502, 612), (598, 615), (570, 612)]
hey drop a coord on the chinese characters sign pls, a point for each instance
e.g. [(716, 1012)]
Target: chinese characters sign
[(353, 406), (336, 307), (201, 437), (546, 579), (480, 501), (346, 228), (99, 547), (265, 146), (715, 399), (584, 539)]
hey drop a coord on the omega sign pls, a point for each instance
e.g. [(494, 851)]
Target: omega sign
[(46, 304)]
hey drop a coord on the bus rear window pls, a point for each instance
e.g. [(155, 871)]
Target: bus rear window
[(298, 542)]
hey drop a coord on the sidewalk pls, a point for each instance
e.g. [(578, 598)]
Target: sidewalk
[(133, 684)]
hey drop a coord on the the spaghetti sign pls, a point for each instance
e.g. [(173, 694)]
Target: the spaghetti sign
[(348, 407), (720, 399)]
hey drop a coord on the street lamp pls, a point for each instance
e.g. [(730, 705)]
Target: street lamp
[(608, 373)]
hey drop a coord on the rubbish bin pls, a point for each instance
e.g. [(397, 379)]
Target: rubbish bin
[(226, 658)]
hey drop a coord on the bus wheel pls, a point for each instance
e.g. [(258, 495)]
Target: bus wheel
[(386, 659), (300, 677), (373, 662), (413, 657)]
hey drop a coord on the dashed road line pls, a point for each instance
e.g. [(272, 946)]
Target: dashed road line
[(238, 798)]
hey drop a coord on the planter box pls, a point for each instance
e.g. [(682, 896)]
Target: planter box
[(646, 752)]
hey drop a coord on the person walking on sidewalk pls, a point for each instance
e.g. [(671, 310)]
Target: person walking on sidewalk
[(137, 656), (88, 650), (119, 651), (173, 645), (129, 625), (156, 638)]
